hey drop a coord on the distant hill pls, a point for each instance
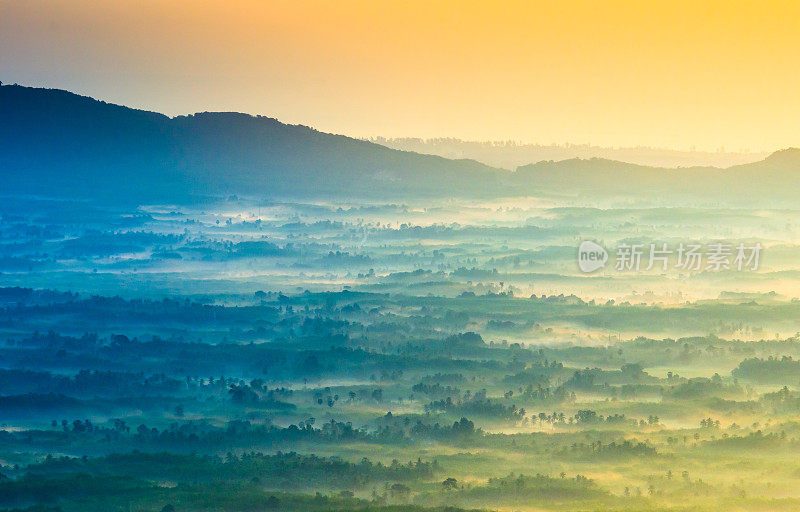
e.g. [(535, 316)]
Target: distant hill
[(58, 143), (510, 154), (775, 177)]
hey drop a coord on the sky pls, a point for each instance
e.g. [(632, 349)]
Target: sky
[(667, 74)]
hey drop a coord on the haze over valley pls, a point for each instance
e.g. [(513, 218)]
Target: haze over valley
[(225, 312)]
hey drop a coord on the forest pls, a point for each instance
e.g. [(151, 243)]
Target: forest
[(259, 355)]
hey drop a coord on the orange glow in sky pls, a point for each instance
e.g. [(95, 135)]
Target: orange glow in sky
[(670, 74)]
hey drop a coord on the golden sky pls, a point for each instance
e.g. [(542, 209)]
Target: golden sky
[(670, 74)]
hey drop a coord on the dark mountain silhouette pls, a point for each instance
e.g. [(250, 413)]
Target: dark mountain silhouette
[(58, 143)]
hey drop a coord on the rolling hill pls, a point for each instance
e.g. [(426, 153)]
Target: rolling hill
[(774, 178), (57, 143)]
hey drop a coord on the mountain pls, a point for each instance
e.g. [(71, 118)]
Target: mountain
[(775, 177), (57, 142), (510, 154)]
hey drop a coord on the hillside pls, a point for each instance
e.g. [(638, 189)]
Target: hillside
[(56, 142), (775, 177)]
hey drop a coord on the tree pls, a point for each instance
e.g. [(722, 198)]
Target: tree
[(450, 483)]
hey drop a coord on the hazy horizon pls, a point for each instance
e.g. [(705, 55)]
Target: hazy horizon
[(665, 74), (750, 155), (509, 154)]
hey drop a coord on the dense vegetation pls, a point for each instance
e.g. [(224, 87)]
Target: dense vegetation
[(298, 356)]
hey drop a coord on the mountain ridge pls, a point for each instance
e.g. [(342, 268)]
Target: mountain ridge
[(512, 154), (778, 175), (57, 142)]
